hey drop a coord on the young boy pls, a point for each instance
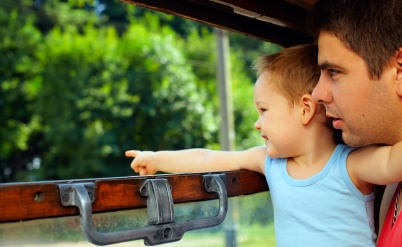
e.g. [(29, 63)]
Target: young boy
[(322, 193)]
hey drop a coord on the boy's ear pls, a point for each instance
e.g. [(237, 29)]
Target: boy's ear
[(308, 109), (399, 72)]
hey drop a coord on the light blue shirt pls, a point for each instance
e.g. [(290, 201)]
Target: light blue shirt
[(324, 210)]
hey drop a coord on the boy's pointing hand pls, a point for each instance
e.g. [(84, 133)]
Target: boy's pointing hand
[(142, 162)]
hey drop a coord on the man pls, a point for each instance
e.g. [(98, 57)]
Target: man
[(360, 56)]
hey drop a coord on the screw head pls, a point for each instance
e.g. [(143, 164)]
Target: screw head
[(66, 198)]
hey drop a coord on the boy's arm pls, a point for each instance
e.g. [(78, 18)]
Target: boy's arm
[(197, 160), (377, 164)]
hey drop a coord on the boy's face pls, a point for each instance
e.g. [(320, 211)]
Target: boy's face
[(278, 122), (362, 108)]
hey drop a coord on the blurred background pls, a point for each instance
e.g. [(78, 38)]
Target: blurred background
[(83, 81)]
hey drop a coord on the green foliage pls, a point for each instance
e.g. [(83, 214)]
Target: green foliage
[(19, 40), (245, 114), (200, 43), (249, 49), (80, 86), (91, 90)]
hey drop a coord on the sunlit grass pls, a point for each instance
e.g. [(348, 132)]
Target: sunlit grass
[(256, 235), (246, 236)]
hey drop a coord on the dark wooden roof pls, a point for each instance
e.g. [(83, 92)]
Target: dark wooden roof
[(277, 21)]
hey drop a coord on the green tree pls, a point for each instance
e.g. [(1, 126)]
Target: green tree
[(19, 126), (101, 98), (201, 55), (80, 86)]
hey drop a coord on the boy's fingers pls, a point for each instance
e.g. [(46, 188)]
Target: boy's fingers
[(132, 153), (142, 171), (134, 167)]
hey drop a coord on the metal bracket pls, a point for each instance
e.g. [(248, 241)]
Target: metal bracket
[(67, 193), (159, 201), (161, 228)]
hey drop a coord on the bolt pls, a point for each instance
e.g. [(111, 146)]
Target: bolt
[(167, 233), (66, 198), (144, 191), (38, 197)]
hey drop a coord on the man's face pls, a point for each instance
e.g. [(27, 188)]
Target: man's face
[(363, 108)]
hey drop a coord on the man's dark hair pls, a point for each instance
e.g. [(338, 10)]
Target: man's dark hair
[(370, 28)]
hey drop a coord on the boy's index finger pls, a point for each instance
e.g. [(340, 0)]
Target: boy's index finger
[(132, 153)]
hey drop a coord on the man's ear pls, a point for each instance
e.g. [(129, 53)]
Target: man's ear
[(308, 108), (398, 81)]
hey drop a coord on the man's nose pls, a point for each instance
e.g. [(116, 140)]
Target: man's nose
[(322, 93)]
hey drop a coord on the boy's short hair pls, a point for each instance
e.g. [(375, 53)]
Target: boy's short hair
[(370, 28), (294, 70)]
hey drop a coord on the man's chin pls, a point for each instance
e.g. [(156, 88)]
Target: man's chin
[(353, 140)]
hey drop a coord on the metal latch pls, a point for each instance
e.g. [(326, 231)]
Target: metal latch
[(161, 227), (159, 201)]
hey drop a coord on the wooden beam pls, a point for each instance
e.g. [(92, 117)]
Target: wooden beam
[(25, 201), (286, 28), (279, 11)]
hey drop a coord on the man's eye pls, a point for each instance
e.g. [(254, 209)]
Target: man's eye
[(332, 72)]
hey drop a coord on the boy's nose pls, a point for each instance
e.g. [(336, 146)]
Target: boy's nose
[(257, 124)]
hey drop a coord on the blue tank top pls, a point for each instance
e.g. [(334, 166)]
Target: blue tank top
[(324, 210)]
